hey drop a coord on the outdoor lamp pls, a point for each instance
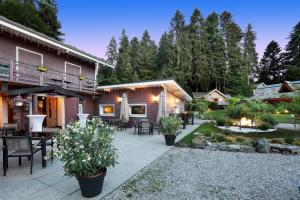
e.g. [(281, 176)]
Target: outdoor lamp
[(155, 98)]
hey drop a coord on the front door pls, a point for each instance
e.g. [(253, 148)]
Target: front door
[(51, 111)]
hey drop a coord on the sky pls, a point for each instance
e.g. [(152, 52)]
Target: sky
[(90, 24)]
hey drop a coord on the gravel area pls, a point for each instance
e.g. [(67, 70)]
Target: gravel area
[(184, 173)]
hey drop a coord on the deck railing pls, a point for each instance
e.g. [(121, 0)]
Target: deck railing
[(28, 74)]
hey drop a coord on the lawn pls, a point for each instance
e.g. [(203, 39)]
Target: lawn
[(211, 129)]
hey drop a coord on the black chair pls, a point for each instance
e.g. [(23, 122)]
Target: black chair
[(18, 146), (146, 126), (136, 126), (122, 124), (156, 126)]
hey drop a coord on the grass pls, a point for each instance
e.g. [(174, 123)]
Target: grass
[(214, 113), (209, 129)]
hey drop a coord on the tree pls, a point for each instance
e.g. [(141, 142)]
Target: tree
[(270, 67), (292, 54), (112, 51), (215, 51), (134, 50), (124, 70), (146, 57), (164, 55), (200, 76), (249, 53), (23, 12), (48, 13)]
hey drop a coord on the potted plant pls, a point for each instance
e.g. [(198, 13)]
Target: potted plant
[(42, 68), (170, 126), (81, 77), (86, 152)]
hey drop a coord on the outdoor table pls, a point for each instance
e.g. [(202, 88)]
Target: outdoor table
[(113, 122), (6, 130)]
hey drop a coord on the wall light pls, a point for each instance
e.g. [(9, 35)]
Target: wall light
[(176, 100), (155, 98), (119, 99)]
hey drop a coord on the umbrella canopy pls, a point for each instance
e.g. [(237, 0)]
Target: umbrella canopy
[(161, 107), (124, 112)]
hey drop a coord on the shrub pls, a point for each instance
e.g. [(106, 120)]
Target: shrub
[(276, 141), (170, 125), (218, 138), (240, 139), (297, 142), (264, 126), (207, 134), (289, 140), (221, 121), (212, 105), (227, 132), (269, 119), (230, 139), (85, 150)]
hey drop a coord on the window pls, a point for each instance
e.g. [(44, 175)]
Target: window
[(107, 109), (137, 110)]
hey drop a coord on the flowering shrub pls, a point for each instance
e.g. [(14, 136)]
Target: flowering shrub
[(170, 125), (85, 151)]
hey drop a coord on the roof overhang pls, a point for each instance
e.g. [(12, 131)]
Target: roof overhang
[(169, 85), (20, 29)]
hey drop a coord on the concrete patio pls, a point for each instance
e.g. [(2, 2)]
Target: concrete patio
[(135, 153)]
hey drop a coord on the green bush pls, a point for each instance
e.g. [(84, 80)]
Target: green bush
[(227, 132), (170, 125), (289, 140), (269, 119), (276, 141), (218, 138), (240, 139), (297, 142), (212, 105), (264, 126), (221, 121)]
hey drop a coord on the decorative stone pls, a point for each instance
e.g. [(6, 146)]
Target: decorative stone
[(199, 143), (234, 147), (180, 144), (263, 146)]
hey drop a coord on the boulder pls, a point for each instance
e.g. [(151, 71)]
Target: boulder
[(199, 143), (263, 146)]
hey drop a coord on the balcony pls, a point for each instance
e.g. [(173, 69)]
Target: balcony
[(28, 74)]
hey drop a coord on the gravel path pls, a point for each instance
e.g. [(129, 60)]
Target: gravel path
[(184, 173)]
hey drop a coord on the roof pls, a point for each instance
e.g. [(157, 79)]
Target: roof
[(203, 95), (274, 91), (169, 84), (10, 25), (51, 89)]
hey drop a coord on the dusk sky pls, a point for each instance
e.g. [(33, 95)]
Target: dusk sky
[(90, 24)]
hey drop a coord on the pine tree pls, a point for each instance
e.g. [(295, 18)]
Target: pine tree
[(250, 56), (124, 70), (271, 69), (215, 51), (200, 77), (48, 13), (164, 55), (112, 51), (292, 54), (147, 58), (134, 50)]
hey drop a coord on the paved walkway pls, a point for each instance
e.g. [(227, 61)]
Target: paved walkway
[(136, 152), (293, 127)]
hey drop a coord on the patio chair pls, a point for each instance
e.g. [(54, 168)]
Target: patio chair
[(18, 146), (122, 125), (9, 125), (136, 126), (49, 132), (146, 126), (156, 126)]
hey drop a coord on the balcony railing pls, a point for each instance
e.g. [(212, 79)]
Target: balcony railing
[(28, 74)]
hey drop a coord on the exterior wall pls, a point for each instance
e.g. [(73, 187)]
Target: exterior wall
[(174, 104), (71, 109), (215, 95), (3, 111), (52, 59), (138, 96)]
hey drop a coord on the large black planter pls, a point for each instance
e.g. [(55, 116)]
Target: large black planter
[(170, 140), (91, 186)]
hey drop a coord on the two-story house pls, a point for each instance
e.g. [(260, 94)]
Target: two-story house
[(40, 75)]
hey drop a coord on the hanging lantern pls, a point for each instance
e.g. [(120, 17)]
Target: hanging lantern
[(19, 101)]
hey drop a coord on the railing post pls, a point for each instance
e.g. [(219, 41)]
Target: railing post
[(80, 85), (11, 70), (95, 85), (63, 79), (42, 78)]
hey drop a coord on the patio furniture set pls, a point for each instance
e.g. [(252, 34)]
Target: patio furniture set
[(21, 145)]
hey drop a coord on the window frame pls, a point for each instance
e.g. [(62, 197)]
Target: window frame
[(137, 115), (101, 110)]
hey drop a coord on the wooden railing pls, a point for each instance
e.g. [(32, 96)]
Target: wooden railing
[(28, 74)]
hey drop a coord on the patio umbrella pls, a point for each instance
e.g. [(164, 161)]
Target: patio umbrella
[(161, 107), (124, 112)]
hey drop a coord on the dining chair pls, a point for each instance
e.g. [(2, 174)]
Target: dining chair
[(146, 126), (136, 126), (18, 146), (11, 125)]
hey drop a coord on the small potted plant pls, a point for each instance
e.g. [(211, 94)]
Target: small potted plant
[(86, 152), (42, 68), (170, 126), (81, 77)]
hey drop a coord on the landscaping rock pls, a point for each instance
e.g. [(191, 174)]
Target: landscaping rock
[(263, 146), (247, 149), (234, 147), (294, 149), (180, 144), (199, 143)]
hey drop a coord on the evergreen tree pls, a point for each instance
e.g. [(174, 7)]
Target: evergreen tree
[(215, 51), (200, 77), (292, 54), (112, 51), (147, 57), (124, 70), (134, 49), (249, 53), (23, 12), (164, 55), (270, 67), (48, 13)]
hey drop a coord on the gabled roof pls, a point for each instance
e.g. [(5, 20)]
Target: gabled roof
[(169, 84), (203, 95), (20, 30)]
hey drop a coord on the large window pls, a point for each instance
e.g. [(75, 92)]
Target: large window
[(137, 110), (107, 109)]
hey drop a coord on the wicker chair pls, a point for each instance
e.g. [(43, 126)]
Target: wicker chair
[(18, 146)]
